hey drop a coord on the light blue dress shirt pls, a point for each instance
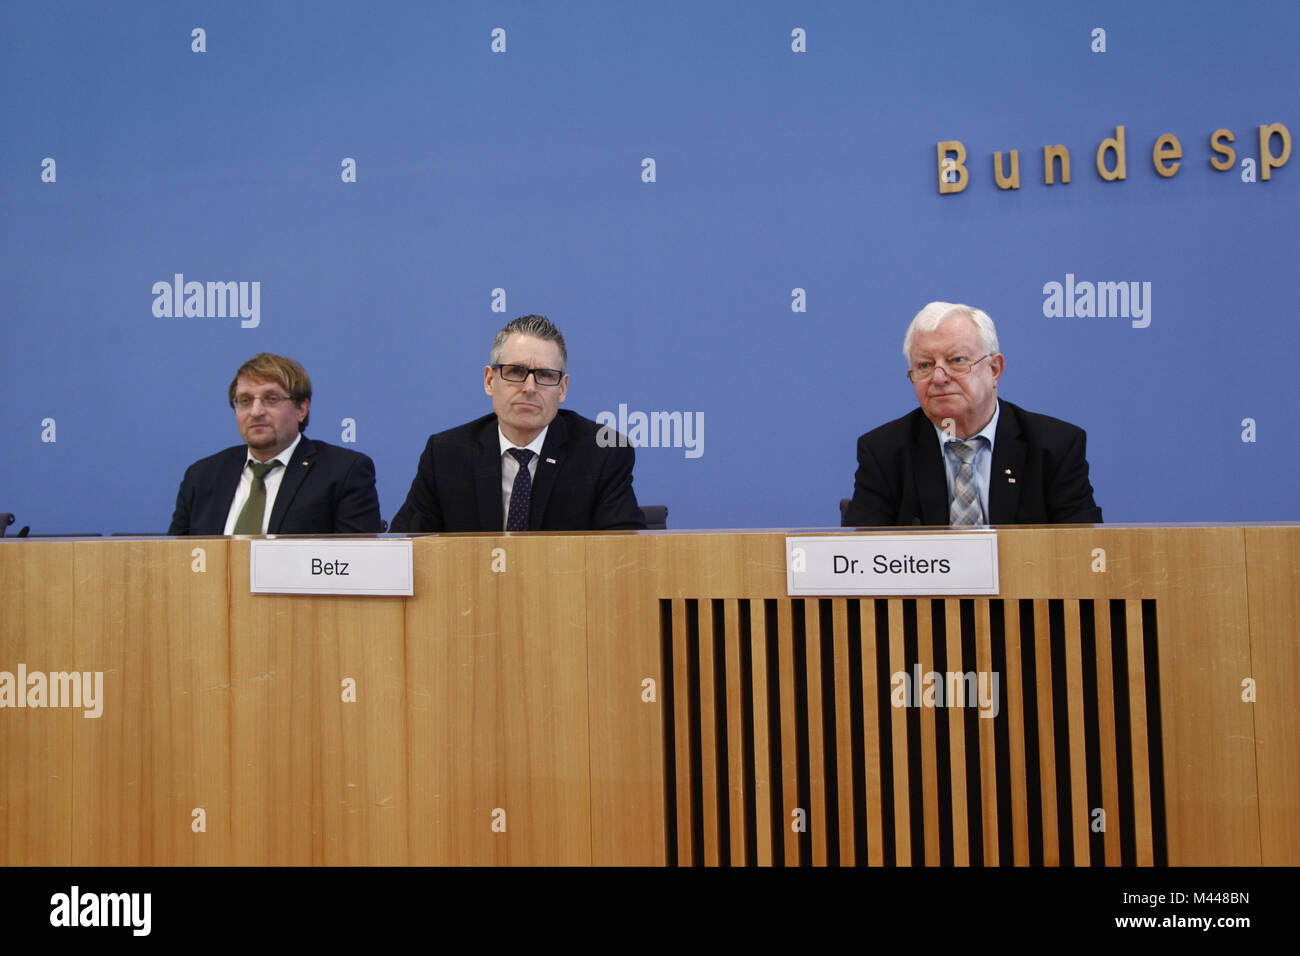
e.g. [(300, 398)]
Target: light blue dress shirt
[(982, 464)]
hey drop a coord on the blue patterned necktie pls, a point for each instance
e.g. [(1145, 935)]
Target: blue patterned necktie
[(965, 509), (521, 493)]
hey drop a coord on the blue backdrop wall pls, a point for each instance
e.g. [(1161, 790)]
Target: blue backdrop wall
[(732, 210)]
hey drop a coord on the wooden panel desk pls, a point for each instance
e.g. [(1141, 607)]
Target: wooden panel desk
[(656, 698)]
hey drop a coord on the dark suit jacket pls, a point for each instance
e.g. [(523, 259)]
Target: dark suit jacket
[(901, 480), (579, 486), (325, 490)]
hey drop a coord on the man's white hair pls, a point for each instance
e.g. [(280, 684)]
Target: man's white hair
[(936, 313)]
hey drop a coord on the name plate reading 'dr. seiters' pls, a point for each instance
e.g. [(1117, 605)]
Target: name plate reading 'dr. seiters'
[(959, 562), (328, 566)]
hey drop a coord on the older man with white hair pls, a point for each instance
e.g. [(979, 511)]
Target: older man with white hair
[(966, 457)]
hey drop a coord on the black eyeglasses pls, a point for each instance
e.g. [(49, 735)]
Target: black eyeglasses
[(520, 373)]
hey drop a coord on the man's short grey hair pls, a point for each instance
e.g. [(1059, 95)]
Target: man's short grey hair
[(936, 313), (537, 326)]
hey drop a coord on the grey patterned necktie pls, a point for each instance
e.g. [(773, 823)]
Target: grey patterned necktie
[(965, 509), (250, 516)]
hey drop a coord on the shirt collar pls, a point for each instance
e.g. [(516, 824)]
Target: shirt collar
[(987, 432), (283, 458), (535, 446)]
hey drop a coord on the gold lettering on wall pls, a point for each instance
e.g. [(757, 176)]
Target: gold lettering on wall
[(1112, 159), (1166, 153), (1112, 144), (1052, 154), (1268, 160), (1007, 182), (1227, 152), (953, 176)]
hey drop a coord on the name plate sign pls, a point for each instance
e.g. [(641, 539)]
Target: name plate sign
[(324, 566), (960, 562)]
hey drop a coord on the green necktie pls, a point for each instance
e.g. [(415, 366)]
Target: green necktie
[(250, 519)]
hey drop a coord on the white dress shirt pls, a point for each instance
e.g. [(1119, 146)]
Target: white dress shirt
[(510, 467), (272, 481)]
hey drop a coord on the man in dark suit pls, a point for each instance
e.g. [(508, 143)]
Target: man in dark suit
[(279, 481), (528, 466), (965, 457)]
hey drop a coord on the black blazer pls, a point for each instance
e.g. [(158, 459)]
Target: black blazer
[(325, 490), (1039, 474), (579, 486)]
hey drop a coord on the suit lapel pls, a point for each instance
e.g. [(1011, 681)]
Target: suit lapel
[(548, 466), (1008, 466), (927, 466), (228, 475), (487, 479), (294, 476)]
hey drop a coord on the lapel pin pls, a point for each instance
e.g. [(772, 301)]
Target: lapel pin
[(550, 461)]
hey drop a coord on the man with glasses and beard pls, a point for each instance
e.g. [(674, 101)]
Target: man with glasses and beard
[(965, 457), (529, 466), (279, 481)]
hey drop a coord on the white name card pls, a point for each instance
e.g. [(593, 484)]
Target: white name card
[(960, 562), (326, 566)]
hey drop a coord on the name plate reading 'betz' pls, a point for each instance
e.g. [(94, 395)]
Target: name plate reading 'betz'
[(321, 566), (961, 562)]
